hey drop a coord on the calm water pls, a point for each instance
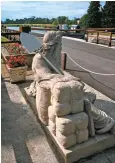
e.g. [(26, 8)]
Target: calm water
[(35, 31)]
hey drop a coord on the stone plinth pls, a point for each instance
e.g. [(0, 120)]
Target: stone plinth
[(90, 147)]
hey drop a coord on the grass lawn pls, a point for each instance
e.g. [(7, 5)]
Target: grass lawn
[(3, 39), (35, 25)]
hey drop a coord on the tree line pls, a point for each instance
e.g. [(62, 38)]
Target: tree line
[(36, 20), (96, 17)]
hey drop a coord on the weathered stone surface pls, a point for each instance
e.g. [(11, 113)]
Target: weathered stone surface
[(91, 96), (90, 147), (61, 109), (102, 122), (81, 120), (65, 125), (77, 106), (51, 114), (69, 124), (52, 126), (42, 103), (82, 135), (91, 127), (113, 129), (66, 141), (61, 92)]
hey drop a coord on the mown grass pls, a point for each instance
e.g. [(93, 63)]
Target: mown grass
[(3, 39), (32, 25)]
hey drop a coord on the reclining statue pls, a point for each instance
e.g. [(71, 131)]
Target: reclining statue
[(51, 48), (44, 76)]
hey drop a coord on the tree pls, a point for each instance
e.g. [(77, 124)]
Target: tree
[(66, 20), (83, 21), (108, 14), (94, 15), (55, 22), (61, 19)]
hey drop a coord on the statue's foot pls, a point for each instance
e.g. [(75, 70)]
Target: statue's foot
[(107, 128), (102, 122)]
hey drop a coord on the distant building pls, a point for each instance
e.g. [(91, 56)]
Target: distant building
[(78, 20), (74, 26), (63, 26)]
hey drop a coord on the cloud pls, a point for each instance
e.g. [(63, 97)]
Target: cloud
[(48, 9)]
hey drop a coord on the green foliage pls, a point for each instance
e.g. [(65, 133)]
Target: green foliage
[(94, 15), (26, 29), (3, 39), (108, 14), (66, 21), (83, 21), (94, 18), (55, 22), (62, 19), (35, 21)]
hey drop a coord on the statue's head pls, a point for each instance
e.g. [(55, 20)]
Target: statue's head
[(52, 42), (52, 37)]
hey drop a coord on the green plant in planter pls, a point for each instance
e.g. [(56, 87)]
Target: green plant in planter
[(3, 39)]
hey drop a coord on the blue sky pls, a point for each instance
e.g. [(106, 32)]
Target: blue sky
[(43, 9)]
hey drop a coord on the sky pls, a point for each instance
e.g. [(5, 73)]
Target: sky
[(44, 9)]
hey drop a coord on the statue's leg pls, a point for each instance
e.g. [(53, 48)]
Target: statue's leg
[(43, 96)]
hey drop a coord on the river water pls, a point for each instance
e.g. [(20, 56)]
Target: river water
[(35, 31)]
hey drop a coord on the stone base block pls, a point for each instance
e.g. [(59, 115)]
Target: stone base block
[(91, 146)]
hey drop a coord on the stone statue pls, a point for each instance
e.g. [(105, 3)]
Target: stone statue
[(51, 48), (45, 76)]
